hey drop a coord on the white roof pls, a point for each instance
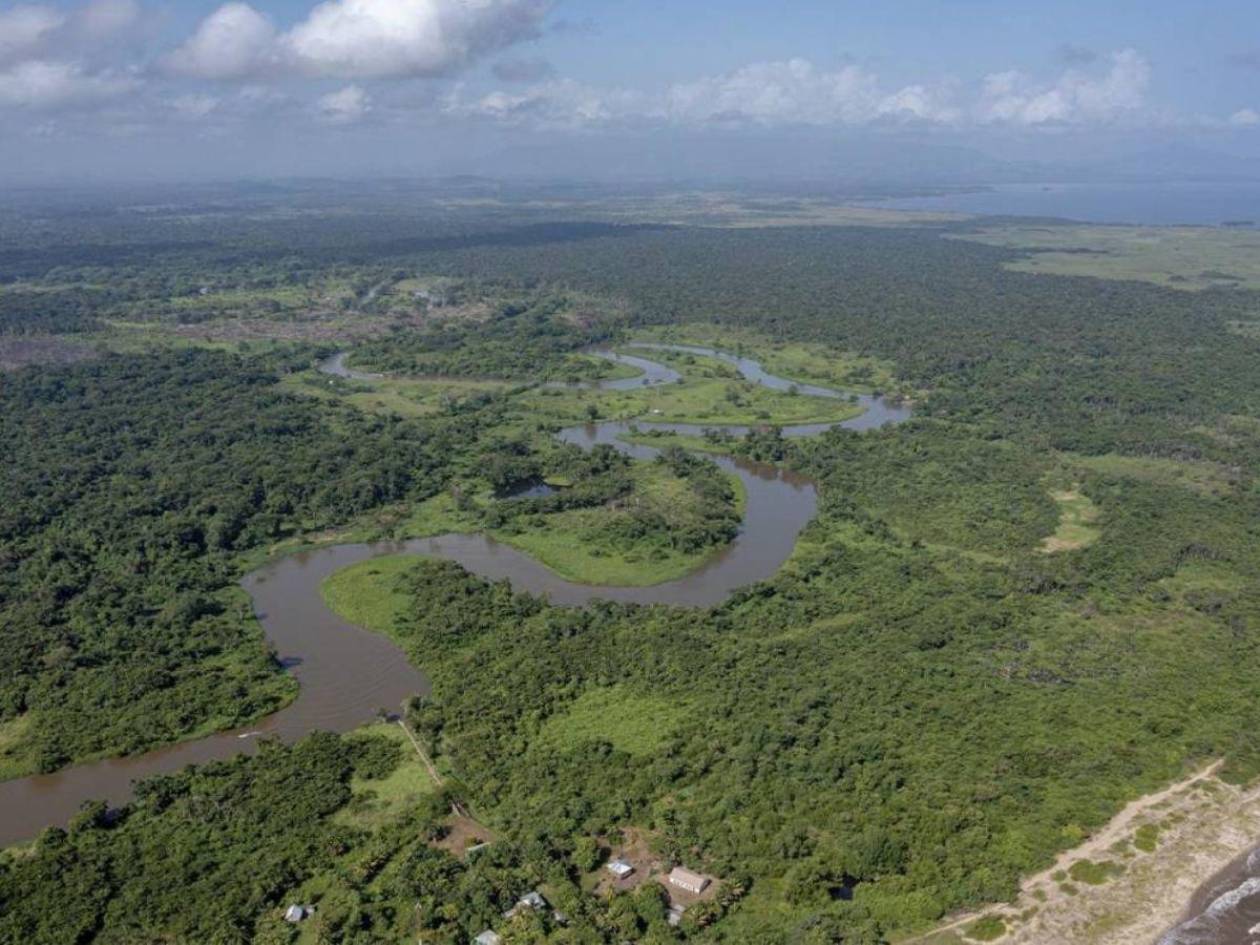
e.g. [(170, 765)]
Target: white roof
[(620, 868), (488, 937), (688, 879), (533, 900)]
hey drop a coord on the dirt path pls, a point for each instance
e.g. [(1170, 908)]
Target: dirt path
[(1202, 825), (424, 757), (457, 808)]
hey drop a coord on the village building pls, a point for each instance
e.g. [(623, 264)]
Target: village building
[(488, 937), (688, 880), (620, 869), (531, 900), (296, 913)]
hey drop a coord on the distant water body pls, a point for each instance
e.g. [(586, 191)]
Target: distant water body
[(1159, 204)]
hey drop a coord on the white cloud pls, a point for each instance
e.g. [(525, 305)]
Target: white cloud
[(344, 106), (102, 19), (561, 103), (49, 84), (786, 92), (24, 29), (1076, 97), (357, 38), (791, 92), (1245, 118), (232, 42)]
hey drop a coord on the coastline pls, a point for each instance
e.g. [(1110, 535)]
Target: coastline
[(1200, 833)]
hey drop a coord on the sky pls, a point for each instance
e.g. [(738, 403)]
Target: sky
[(610, 89)]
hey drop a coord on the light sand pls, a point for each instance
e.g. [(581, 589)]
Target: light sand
[(1203, 824)]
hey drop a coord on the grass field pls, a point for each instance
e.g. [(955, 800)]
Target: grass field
[(14, 760), (633, 723), (713, 401), (1205, 478), (1179, 257), (1076, 517), (379, 801), (812, 363), (369, 594)]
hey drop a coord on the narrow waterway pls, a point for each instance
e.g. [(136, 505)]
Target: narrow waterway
[(346, 674)]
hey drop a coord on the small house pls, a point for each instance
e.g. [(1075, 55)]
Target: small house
[(620, 869), (532, 900), (688, 880), (488, 937), (296, 913)]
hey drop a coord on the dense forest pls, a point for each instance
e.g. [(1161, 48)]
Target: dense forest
[(921, 707), (133, 485)]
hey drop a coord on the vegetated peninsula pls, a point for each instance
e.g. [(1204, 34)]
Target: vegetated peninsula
[(1021, 599)]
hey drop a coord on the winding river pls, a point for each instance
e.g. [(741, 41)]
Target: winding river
[(346, 674)]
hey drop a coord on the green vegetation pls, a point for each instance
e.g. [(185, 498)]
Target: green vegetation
[(390, 780), (532, 339), (989, 928), (1176, 257), (630, 723), (675, 512), (371, 593), (135, 487), (1076, 530), (1094, 874), (1204, 477), (810, 363), (919, 709), (1146, 838)]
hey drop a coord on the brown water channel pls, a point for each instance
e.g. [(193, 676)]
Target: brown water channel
[(346, 674)]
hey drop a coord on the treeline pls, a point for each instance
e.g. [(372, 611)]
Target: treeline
[(61, 311)]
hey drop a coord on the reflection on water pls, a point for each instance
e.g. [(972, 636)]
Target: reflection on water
[(347, 675)]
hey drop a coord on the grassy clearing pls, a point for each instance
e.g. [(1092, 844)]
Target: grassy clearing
[(1076, 517), (1094, 874), (1182, 257), (633, 723), (406, 397), (713, 401), (811, 363), (576, 544), (370, 594), (380, 801), (15, 761), (986, 929), (1205, 478)]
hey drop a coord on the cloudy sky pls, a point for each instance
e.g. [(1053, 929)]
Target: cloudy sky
[(163, 89)]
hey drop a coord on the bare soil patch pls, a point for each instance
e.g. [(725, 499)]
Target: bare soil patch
[(462, 834)]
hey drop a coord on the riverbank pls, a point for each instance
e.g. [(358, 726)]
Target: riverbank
[(346, 674), (1130, 883)]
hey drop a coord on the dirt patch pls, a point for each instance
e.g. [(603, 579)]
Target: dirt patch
[(635, 848), (1131, 881), (462, 834)]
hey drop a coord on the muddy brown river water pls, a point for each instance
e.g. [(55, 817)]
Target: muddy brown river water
[(346, 674)]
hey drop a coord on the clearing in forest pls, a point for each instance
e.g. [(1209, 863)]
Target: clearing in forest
[(1076, 517)]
